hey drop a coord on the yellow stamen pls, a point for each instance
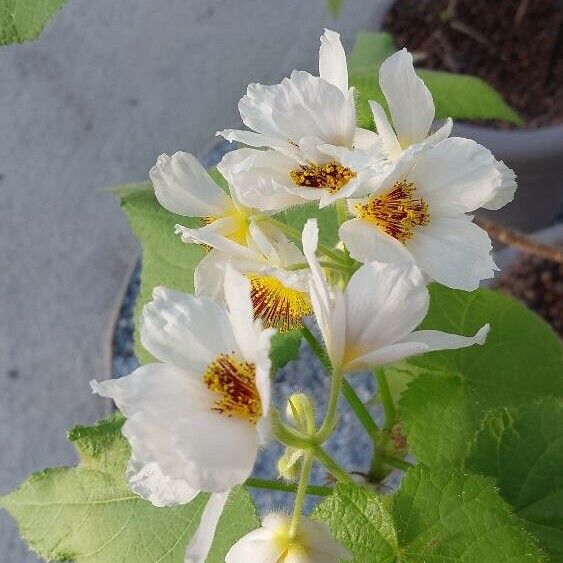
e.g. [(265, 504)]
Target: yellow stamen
[(235, 381), (397, 212), (331, 176), (277, 305)]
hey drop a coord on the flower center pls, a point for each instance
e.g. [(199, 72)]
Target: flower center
[(331, 176), (277, 305), (397, 212), (235, 383), (239, 231)]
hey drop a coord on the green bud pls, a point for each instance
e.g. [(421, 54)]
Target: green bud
[(299, 409), (289, 464)]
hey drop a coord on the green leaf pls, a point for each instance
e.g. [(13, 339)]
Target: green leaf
[(87, 513), (327, 221), (370, 50), (359, 520), (434, 517), (442, 516), (23, 20), (522, 448), (166, 260), (439, 418), (455, 95), (285, 347), (521, 362)]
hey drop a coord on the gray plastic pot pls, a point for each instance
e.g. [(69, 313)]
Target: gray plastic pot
[(536, 155)]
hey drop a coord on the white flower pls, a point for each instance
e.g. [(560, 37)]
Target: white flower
[(373, 322), (419, 214), (196, 419), (308, 124), (280, 296), (412, 112), (184, 187), (313, 543)]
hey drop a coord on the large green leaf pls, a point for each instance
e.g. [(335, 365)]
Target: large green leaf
[(166, 260), (439, 416), (87, 513), (522, 448), (23, 20), (434, 517), (521, 361), (458, 96)]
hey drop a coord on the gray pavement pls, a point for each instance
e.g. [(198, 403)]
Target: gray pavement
[(108, 87)]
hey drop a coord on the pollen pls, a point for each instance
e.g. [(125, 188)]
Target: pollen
[(277, 305), (235, 383), (330, 176), (397, 213)]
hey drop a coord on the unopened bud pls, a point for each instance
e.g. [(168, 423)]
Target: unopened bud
[(299, 409), (289, 464)]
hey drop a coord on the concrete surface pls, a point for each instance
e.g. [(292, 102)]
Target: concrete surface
[(108, 87)]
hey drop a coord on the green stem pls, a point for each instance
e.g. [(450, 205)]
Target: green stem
[(296, 235), (329, 422), (360, 411), (386, 398), (348, 391), (396, 462), (324, 264), (334, 469), (301, 492), (316, 490)]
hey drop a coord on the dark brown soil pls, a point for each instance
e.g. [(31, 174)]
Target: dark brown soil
[(514, 45), (538, 283)]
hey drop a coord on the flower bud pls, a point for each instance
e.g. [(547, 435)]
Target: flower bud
[(299, 409), (289, 464)]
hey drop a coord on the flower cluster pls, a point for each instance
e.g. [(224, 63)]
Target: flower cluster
[(402, 197)]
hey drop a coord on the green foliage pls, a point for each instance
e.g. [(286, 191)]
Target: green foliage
[(23, 20), (521, 361), (285, 347), (434, 517), (88, 513), (455, 95), (522, 448)]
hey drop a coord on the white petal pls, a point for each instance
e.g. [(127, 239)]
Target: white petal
[(441, 133), (156, 398), (258, 546), (367, 243), (330, 314), (376, 314), (506, 190), (259, 177), (210, 274), (384, 356), (454, 251), (218, 452), (332, 61), (389, 140), (241, 315), (147, 480), (200, 543), (438, 340), (455, 176), (300, 106), (186, 331), (254, 139), (409, 100), (214, 235), (182, 186)]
